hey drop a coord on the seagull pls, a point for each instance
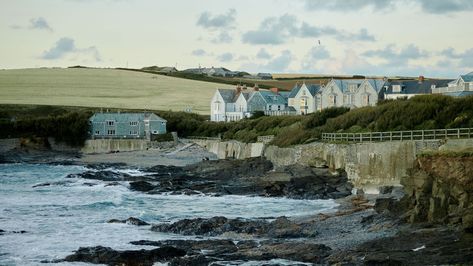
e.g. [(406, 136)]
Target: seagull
[(319, 42)]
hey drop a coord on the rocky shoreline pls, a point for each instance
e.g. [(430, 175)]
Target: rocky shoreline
[(426, 223)]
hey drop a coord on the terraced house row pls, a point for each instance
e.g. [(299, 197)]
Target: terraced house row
[(232, 105)]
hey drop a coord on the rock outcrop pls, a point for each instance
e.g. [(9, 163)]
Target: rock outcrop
[(440, 190)]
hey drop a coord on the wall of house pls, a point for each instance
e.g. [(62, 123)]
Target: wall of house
[(304, 93), (157, 125), (241, 104), (366, 89), (329, 90), (217, 115)]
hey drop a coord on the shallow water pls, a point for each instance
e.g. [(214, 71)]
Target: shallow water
[(73, 213)]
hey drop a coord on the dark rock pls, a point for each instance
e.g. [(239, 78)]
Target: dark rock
[(279, 228), (2, 232), (131, 220), (197, 260), (385, 190), (141, 186), (104, 255), (42, 185), (103, 176)]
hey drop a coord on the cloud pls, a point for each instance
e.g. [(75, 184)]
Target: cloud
[(279, 30), (398, 57), (279, 63), (66, 46), (263, 54), (348, 5), (465, 58), (209, 21), (40, 24), (226, 57), (223, 37), (199, 52), (273, 30), (428, 6), (445, 6), (314, 58)]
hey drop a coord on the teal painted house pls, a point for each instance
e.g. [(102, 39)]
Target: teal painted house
[(126, 125)]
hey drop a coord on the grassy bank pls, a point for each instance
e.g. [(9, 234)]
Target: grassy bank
[(420, 112)]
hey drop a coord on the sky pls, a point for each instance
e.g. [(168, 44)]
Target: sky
[(433, 38)]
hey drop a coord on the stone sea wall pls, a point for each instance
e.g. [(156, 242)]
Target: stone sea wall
[(114, 145), (368, 165)]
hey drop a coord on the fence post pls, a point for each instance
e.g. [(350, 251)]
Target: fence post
[(391, 136), (401, 136), (458, 133)]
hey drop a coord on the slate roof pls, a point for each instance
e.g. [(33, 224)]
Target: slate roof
[(468, 77), (377, 84), (416, 87), (125, 117), (313, 89), (227, 94), (272, 98), (343, 84), (285, 94), (246, 94)]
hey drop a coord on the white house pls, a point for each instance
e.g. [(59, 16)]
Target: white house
[(303, 98), (230, 104), (407, 89), (462, 86)]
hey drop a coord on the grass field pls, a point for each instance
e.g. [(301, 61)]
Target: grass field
[(105, 88)]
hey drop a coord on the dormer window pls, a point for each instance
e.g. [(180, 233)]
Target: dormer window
[(397, 88), (110, 123)]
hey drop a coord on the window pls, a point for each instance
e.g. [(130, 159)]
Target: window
[(155, 132), (397, 88), (111, 132), (133, 132), (97, 132), (134, 123), (279, 107), (333, 99), (366, 99), (217, 106), (110, 122)]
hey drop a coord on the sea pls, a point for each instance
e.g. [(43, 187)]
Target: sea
[(46, 216)]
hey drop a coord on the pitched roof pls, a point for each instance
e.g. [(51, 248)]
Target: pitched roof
[(468, 77), (377, 84), (416, 87), (294, 91), (125, 117), (272, 98), (285, 94), (227, 94), (313, 89), (344, 84)]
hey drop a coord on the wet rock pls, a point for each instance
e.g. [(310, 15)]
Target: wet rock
[(141, 186), (41, 185), (103, 176), (279, 228), (105, 255), (131, 221), (197, 260), (2, 232)]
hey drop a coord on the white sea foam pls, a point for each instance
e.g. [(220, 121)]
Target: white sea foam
[(61, 218)]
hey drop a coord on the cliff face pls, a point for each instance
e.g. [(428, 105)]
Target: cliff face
[(440, 190)]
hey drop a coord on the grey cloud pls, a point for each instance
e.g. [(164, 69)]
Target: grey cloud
[(315, 54), (223, 37), (347, 5), (66, 46), (445, 6), (280, 63), (428, 6), (199, 52), (209, 21), (226, 57), (466, 57), (263, 54), (273, 30), (278, 30), (39, 23), (62, 47), (400, 57)]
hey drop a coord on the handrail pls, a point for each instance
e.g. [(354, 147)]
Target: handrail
[(428, 134)]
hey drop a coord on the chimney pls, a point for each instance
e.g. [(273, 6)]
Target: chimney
[(256, 88), (275, 90), (421, 79), (238, 89)]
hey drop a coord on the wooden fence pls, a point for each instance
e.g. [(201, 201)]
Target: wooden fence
[(432, 134)]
